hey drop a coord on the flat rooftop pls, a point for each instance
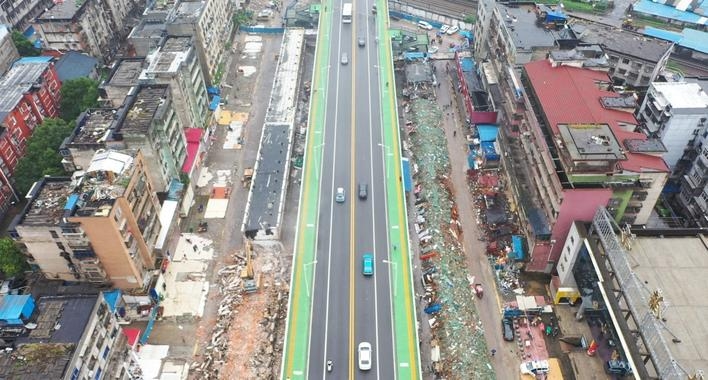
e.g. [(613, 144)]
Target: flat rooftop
[(680, 276), (47, 208), (147, 29), (525, 32), (187, 11), (126, 73), (683, 94), (621, 41), (590, 142), (94, 127), (141, 113), (170, 56), (48, 349), (62, 11)]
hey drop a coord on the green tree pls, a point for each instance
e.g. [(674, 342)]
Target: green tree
[(77, 95), (12, 261), (24, 46), (42, 155)]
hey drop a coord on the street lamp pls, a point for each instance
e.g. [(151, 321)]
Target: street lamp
[(307, 283), (395, 266)]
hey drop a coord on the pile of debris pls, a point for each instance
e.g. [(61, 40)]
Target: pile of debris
[(230, 289), (264, 362), (454, 321)]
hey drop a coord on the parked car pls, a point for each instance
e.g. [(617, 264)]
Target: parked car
[(424, 25), (453, 29), (364, 356), (339, 196), (507, 329), (618, 367), (444, 28)]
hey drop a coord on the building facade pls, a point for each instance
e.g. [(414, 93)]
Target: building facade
[(29, 93), (176, 64), (18, 14), (98, 226), (210, 22), (8, 51)]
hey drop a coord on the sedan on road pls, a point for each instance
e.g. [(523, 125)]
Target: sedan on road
[(345, 58), (368, 264), (364, 356), (339, 197)]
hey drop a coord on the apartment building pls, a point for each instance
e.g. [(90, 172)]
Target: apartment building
[(176, 64), (87, 26), (676, 113), (121, 80), (146, 37), (29, 93), (8, 51), (583, 153), (19, 14), (98, 226), (210, 22), (73, 337)]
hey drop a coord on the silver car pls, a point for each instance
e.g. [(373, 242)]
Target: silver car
[(339, 196), (345, 58)]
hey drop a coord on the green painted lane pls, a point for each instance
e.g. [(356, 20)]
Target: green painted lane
[(405, 327), (295, 353)]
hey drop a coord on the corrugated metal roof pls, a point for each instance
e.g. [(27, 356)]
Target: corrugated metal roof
[(666, 11)]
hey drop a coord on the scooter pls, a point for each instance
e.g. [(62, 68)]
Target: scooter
[(329, 366)]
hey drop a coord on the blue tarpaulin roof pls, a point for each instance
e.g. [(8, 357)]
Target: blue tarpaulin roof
[(517, 245), (71, 201), (487, 132), (688, 38), (112, 298), (489, 152), (407, 180), (13, 308), (214, 103)]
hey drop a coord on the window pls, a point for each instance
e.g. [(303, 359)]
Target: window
[(60, 246), (572, 240), (106, 351), (625, 61), (54, 234)]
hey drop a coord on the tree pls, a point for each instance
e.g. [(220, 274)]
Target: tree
[(42, 155), (12, 261), (24, 46), (77, 95)]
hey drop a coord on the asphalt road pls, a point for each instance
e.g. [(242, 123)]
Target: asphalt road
[(349, 308)]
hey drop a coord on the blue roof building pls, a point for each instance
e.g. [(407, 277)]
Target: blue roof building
[(74, 65)]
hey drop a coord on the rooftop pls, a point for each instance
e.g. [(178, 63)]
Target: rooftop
[(619, 102), (93, 127), (126, 73), (590, 56), (590, 142), (621, 41), (525, 32), (62, 10), (74, 65), (19, 79), (86, 193), (669, 12), (47, 350), (187, 12), (170, 56), (680, 277), (141, 113), (570, 95), (682, 94), (146, 29)]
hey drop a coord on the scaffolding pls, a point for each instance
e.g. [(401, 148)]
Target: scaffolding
[(632, 290)]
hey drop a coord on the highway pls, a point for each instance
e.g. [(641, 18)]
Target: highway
[(348, 307), (352, 139)]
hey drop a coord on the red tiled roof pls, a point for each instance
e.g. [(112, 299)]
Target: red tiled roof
[(193, 136), (571, 95)]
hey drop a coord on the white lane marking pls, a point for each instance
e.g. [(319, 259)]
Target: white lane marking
[(331, 210), (373, 198)]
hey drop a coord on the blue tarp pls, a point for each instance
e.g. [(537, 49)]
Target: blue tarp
[(432, 309), (112, 298), (471, 160), (412, 56), (213, 90), (13, 308), (467, 64), (214, 103), (467, 34), (407, 180), (487, 132), (29, 32), (490, 154), (71, 201), (517, 245), (39, 59), (37, 43)]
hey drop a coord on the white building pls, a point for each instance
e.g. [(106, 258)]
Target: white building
[(676, 113)]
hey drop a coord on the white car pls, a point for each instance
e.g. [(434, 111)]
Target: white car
[(444, 28), (364, 356), (339, 197), (424, 25), (453, 29)]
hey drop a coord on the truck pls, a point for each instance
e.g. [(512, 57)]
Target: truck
[(347, 13)]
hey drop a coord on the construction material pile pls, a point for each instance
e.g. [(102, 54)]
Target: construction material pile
[(265, 361), (448, 295)]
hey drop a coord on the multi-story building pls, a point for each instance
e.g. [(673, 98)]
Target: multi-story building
[(18, 14), (8, 51), (176, 64), (676, 113), (29, 93), (123, 77), (210, 22), (87, 26), (98, 226), (74, 337), (146, 37)]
